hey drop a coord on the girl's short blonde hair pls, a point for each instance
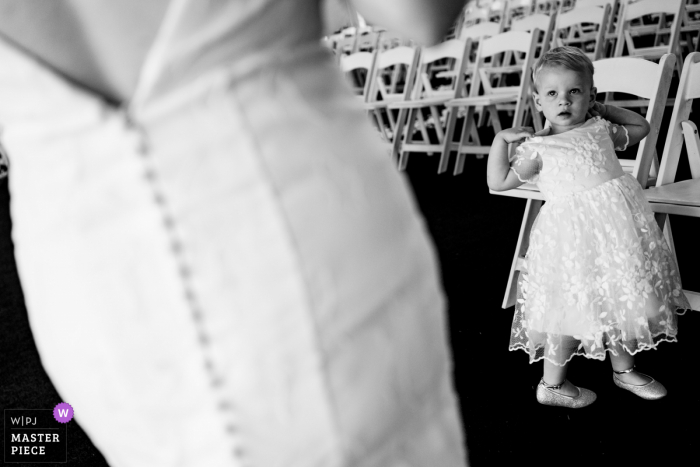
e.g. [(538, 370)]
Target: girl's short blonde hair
[(571, 58)]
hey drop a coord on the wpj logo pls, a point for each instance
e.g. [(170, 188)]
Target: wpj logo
[(37, 435)]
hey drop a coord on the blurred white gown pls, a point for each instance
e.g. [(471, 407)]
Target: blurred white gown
[(229, 271)]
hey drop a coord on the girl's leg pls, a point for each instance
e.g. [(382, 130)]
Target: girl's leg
[(624, 361), (555, 374)]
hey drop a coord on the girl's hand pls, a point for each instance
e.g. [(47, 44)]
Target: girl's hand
[(598, 110), (513, 135)]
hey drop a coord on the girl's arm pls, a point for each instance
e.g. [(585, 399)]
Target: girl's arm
[(637, 126), (499, 177)]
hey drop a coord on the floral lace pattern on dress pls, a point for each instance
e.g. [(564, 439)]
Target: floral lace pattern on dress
[(598, 274)]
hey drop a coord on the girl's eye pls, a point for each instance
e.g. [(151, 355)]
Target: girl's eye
[(575, 91), (551, 93)]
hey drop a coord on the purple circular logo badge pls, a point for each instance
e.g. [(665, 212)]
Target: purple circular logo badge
[(63, 413)]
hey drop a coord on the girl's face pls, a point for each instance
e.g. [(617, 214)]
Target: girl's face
[(564, 96)]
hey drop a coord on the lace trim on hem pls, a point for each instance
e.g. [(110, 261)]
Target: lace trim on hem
[(600, 357)]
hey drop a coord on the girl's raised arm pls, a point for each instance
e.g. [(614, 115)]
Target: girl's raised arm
[(636, 125)]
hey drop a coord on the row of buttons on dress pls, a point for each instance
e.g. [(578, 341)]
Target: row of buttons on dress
[(185, 272)]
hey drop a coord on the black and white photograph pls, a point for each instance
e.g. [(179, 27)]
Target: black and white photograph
[(349, 233)]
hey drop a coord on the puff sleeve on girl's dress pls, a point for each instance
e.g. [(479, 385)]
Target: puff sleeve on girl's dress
[(618, 133), (526, 163)]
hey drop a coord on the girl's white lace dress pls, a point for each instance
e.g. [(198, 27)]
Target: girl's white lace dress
[(598, 271)]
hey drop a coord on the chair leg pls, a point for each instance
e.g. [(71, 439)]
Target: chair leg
[(468, 127), (407, 131), (534, 114), (532, 208), (447, 144), (665, 225), (436, 119), (392, 124), (482, 116), (495, 120), (422, 127)]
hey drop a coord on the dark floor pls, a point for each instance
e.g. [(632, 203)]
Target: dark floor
[(475, 235)]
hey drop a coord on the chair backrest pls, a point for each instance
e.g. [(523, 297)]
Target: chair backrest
[(688, 89), (518, 9), (692, 10), (447, 58), (644, 79), (545, 23), (393, 75), (474, 16), (545, 6), (569, 29), (635, 12), (366, 40), (616, 7), (497, 12), (490, 63), (477, 31), (389, 40), (359, 67), (346, 40), (590, 3)]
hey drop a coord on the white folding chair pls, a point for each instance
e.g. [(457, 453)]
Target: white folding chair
[(475, 34), (358, 68), (492, 93), (584, 28), (345, 42), (616, 7), (429, 95), (690, 27), (642, 78), (547, 6), (663, 34), (544, 23), (367, 39), (517, 10), (391, 81), (682, 197), (389, 40)]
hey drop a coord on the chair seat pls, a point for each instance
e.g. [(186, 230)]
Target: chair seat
[(425, 102), (686, 193), (530, 191), (526, 191), (451, 73), (380, 104), (504, 69), (482, 100)]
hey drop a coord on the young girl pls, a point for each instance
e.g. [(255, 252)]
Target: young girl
[(599, 275)]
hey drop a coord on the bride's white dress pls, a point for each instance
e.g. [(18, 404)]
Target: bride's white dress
[(229, 270)]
